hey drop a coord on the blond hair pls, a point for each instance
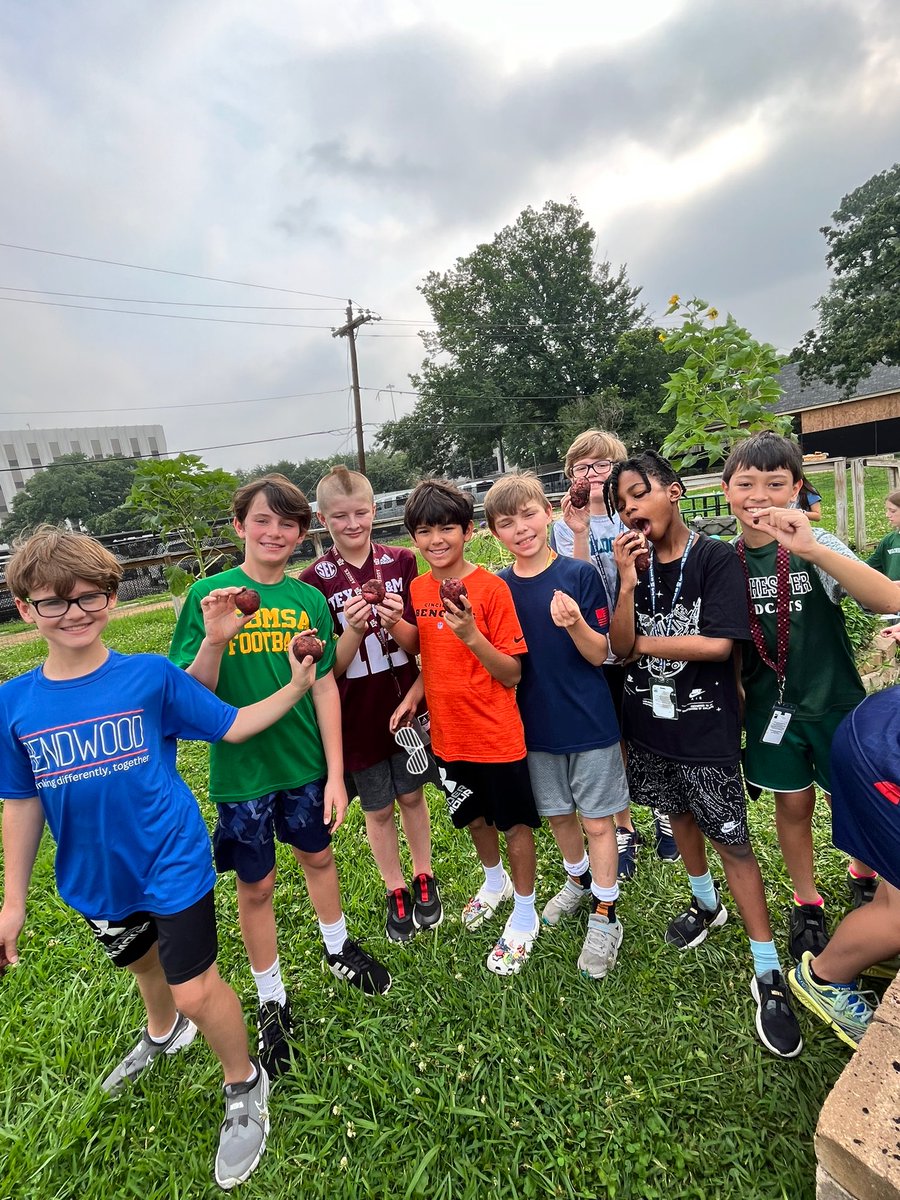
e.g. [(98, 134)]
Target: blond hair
[(594, 443), (505, 497), (54, 558), (341, 482)]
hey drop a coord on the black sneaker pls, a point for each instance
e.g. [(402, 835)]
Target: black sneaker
[(627, 845), (428, 912), (807, 930), (862, 890), (400, 924), (775, 1021), (666, 846), (358, 968), (275, 1027), (691, 928)]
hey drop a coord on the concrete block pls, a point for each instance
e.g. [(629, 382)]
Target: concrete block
[(888, 1010), (858, 1135), (829, 1189)]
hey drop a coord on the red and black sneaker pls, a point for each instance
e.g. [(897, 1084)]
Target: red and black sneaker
[(428, 912), (401, 926)]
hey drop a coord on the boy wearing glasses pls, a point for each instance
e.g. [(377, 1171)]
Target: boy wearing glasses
[(87, 743), (588, 533)]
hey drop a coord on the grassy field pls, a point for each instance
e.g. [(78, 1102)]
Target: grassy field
[(458, 1085)]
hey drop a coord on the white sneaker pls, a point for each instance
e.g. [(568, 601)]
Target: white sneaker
[(567, 900), (511, 952), (484, 903), (601, 947)]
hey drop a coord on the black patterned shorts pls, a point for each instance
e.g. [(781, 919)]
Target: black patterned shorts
[(712, 794)]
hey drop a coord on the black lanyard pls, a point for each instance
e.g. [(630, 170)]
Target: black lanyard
[(782, 614), (374, 622)]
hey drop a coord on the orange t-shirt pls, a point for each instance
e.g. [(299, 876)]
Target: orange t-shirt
[(474, 718)]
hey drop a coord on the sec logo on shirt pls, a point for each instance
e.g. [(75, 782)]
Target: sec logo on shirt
[(326, 569)]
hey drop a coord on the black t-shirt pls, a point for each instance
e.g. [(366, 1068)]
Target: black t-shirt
[(712, 603)]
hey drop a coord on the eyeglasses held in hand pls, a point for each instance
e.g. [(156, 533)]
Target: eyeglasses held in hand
[(55, 606), (599, 468)]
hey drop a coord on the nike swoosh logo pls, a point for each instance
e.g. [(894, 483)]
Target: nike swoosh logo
[(519, 639)]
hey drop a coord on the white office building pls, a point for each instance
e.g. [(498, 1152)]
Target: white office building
[(26, 451)]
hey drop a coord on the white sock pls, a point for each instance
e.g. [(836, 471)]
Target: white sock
[(269, 984), (576, 870), (524, 916), (494, 877), (607, 895), (165, 1037), (334, 935)]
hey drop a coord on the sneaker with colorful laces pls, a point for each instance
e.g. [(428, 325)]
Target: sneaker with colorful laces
[(666, 846), (401, 926), (627, 842), (510, 954), (146, 1053), (841, 1005), (567, 901), (428, 911), (601, 946), (775, 1021), (484, 904)]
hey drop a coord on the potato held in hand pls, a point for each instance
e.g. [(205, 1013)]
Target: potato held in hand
[(247, 601), (307, 645), (451, 590), (642, 558), (580, 493), (372, 591)]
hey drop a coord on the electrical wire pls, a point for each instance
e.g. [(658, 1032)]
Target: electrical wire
[(54, 412), (131, 312), (173, 303)]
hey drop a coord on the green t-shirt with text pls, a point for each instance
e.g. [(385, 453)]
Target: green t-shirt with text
[(289, 753), (886, 556), (821, 673)]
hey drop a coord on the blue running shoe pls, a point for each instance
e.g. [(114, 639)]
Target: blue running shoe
[(627, 841), (666, 849), (840, 1005)]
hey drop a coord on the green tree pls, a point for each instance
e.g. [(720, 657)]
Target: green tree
[(630, 406), (183, 498), (724, 389), (74, 488), (387, 472), (859, 315), (523, 325)]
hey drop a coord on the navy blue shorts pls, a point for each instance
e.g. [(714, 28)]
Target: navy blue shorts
[(865, 784), (244, 837)]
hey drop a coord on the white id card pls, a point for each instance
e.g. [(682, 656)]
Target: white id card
[(778, 723), (662, 697)]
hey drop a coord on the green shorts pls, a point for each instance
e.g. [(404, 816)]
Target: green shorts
[(802, 758)]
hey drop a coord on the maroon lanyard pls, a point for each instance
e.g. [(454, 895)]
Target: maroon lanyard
[(782, 614), (374, 622)]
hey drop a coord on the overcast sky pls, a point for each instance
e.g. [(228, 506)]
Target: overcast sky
[(347, 150)]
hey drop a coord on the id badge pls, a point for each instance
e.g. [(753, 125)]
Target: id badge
[(662, 697), (778, 723)]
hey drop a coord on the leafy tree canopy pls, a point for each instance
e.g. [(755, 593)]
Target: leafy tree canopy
[(524, 324), (387, 472), (75, 488), (859, 315)]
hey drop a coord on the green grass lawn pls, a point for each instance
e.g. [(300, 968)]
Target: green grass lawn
[(457, 1084)]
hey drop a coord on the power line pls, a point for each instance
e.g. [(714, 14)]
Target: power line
[(130, 312), (53, 412), (175, 303), (111, 262)]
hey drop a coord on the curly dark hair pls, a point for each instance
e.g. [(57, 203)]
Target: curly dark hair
[(648, 464)]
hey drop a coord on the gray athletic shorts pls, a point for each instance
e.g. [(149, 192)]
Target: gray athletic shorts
[(591, 782), (379, 785)]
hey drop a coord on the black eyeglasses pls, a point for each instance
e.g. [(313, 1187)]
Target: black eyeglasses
[(55, 606), (599, 468)]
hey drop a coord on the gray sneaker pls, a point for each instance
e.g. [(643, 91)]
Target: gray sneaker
[(601, 947), (145, 1054), (242, 1137), (566, 901)]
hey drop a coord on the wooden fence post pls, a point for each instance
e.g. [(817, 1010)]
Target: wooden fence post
[(858, 484), (840, 499)]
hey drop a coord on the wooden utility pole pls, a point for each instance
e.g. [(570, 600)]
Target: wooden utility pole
[(348, 330)]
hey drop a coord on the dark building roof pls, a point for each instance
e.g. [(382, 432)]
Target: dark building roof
[(816, 393)]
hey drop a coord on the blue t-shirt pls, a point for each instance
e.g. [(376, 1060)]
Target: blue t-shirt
[(564, 700), (99, 752)]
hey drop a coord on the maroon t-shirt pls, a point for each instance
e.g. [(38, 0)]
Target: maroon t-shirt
[(368, 688)]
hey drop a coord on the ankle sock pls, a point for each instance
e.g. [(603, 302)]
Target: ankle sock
[(765, 957), (165, 1037), (604, 901), (862, 874), (817, 903), (334, 935), (704, 891), (524, 916), (494, 877), (576, 870), (826, 982), (269, 984)]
